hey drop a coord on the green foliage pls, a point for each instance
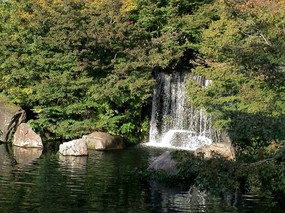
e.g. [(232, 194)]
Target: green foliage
[(220, 176), (79, 66), (74, 66), (245, 61), (171, 37)]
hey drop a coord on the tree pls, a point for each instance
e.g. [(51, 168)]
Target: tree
[(58, 57), (242, 44)]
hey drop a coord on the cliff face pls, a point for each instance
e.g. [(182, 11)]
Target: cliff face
[(10, 117)]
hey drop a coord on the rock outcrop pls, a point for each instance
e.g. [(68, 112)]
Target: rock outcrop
[(103, 141), (26, 137), (10, 118), (74, 148), (165, 163), (217, 149)]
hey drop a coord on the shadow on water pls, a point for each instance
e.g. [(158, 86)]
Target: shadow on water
[(101, 182)]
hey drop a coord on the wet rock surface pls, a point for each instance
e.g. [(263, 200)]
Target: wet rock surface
[(165, 163)]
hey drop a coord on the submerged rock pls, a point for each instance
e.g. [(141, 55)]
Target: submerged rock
[(26, 137), (103, 141), (217, 149), (165, 163), (75, 148), (10, 117)]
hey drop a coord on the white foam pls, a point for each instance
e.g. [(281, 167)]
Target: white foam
[(181, 139)]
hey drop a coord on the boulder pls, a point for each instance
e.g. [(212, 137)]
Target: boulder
[(103, 141), (217, 149), (26, 137), (10, 118), (165, 163), (74, 148)]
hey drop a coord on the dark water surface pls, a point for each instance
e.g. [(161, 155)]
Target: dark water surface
[(102, 182)]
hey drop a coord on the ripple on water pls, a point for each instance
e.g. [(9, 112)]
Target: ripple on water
[(101, 182)]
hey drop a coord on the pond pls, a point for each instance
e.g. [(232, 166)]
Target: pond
[(102, 182)]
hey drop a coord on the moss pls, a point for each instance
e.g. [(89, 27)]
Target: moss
[(7, 106)]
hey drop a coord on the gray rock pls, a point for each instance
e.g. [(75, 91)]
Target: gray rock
[(74, 148), (165, 163), (10, 117), (103, 141), (26, 137)]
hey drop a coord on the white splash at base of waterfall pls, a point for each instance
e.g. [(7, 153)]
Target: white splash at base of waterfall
[(181, 139), (175, 123)]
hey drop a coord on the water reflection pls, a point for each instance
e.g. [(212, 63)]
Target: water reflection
[(26, 155), (74, 163), (101, 182), (6, 162), (166, 199)]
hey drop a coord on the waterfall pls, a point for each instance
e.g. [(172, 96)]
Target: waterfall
[(174, 123)]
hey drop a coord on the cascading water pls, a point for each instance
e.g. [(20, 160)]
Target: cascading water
[(174, 123)]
